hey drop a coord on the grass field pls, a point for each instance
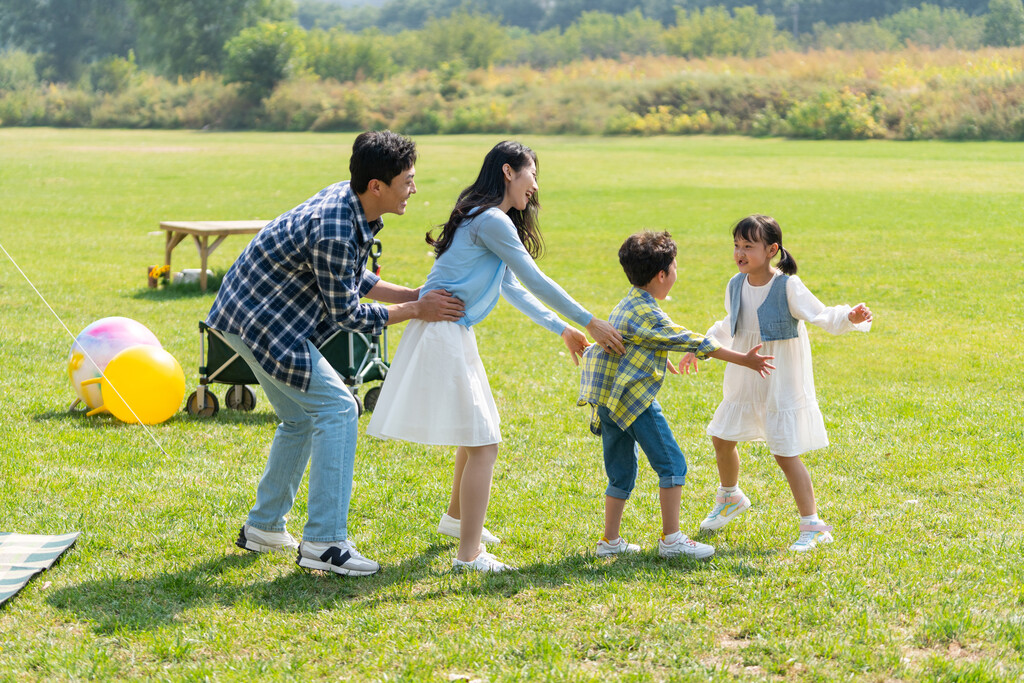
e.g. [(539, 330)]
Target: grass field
[(922, 481)]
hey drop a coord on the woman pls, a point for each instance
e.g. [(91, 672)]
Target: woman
[(436, 391)]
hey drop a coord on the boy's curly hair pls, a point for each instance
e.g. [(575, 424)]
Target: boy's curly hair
[(645, 254)]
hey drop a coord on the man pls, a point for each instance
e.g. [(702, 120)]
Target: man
[(300, 279)]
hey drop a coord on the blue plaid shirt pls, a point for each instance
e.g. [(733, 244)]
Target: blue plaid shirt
[(627, 384), (301, 278)]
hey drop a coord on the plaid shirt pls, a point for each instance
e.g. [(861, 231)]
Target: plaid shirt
[(300, 279), (627, 384)]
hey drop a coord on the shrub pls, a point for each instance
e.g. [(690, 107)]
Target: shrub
[(842, 115), (17, 70), (262, 56), (113, 74)]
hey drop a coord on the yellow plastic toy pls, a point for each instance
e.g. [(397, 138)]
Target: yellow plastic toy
[(148, 379)]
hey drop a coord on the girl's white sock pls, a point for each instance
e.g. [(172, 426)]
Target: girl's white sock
[(809, 519), (729, 489), (672, 538)]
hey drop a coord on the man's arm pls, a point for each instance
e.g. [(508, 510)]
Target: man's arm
[(435, 306), (390, 293)]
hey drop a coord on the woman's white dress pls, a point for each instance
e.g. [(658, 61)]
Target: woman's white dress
[(781, 409)]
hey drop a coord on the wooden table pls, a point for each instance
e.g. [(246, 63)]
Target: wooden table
[(201, 232)]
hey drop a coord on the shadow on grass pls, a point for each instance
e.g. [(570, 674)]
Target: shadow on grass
[(116, 604), (108, 421), (175, 291)]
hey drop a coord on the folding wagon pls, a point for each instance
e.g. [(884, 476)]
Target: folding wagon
[(358, 358)]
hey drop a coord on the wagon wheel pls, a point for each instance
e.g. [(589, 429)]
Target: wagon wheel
[(209, 410), (240, 397), (359, 404), (370, 399)]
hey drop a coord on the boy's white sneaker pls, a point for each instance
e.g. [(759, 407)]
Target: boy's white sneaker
[(684, 546), (728, 506), (484, 562), (340, 557), (619, 546), (811, 536), (259, 541), (449, 526)]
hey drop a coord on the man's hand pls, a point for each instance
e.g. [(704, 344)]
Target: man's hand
[(757, 362), (439, 305)]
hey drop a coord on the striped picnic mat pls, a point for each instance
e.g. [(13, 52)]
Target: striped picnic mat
[(24, 555)]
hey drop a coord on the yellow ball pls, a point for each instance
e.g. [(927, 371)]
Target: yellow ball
[(148, 379)]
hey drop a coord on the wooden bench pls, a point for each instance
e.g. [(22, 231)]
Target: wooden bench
[(201, 232)]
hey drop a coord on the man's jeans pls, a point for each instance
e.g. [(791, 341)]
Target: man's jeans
[(317, 426)]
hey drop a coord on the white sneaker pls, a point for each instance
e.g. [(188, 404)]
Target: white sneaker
[(684, 546), (728, 506), (620, 546), (812, 535), (340, 557), (259, 541), (484, 562), (449, 526)]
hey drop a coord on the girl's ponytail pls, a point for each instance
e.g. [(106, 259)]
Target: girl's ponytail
[(787, 264)]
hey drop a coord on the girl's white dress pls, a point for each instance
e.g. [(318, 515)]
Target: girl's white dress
[(781, 409)]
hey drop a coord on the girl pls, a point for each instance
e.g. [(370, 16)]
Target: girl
[(436, 391), (769, 305)]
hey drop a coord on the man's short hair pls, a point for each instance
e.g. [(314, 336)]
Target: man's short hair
[(645, 254), (379, 155)]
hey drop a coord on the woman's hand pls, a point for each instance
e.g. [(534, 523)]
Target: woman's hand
[(606, 336), (575, 341)]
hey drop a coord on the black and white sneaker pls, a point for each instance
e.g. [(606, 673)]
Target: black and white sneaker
[(259, 541), (340, 557)]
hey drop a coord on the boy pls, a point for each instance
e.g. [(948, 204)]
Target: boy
[(622, 391)]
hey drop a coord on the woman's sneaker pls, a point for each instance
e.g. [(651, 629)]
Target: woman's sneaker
[(812, 535), (681, 545), (259, 541), (620, 546), (484, 562), (340, 557), (728, 506), (449, 526)]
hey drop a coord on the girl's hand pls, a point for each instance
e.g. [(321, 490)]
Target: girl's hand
[(757, 362), (575, 341), (860, 314), (688, 361), (605, 335)]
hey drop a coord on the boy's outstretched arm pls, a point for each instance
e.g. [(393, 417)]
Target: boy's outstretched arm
[(751, 359)]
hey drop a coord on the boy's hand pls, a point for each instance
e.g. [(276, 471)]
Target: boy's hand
[(606, 335), (757, 362), (672, 369), (575, 341), (688, 361), (860, 314)]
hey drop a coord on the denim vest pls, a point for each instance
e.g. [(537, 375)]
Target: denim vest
[(773, 316)]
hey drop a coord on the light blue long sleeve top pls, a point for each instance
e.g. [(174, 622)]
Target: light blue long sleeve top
[(486, 260)]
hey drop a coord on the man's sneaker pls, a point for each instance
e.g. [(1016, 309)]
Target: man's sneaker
[(684, 546), (449, 526), (259, 541), (812, 535), (618, 547), (728, 506), (484, 562), (340, 557)]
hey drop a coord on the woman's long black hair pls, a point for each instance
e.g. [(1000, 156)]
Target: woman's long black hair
[(765, 230), (489, 190)]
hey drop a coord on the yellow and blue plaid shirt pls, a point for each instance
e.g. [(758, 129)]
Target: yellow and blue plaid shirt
[(627, 384)]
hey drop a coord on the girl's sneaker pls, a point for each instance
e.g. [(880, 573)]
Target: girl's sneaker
[(812, 535), (449, 526), (681, 545), (728, 506), (484, 562), (620, 546)]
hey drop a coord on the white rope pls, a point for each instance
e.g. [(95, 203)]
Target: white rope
[(73, 339)]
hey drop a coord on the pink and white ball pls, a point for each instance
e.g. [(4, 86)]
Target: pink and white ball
[(96, 345)]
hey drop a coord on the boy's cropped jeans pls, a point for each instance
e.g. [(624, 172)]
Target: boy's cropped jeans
[(318, 427), (651, 431)]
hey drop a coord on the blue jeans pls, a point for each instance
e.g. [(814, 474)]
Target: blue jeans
[(317, 427), (651, 431)]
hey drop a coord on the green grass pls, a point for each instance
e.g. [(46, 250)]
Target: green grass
[(922, 481)]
